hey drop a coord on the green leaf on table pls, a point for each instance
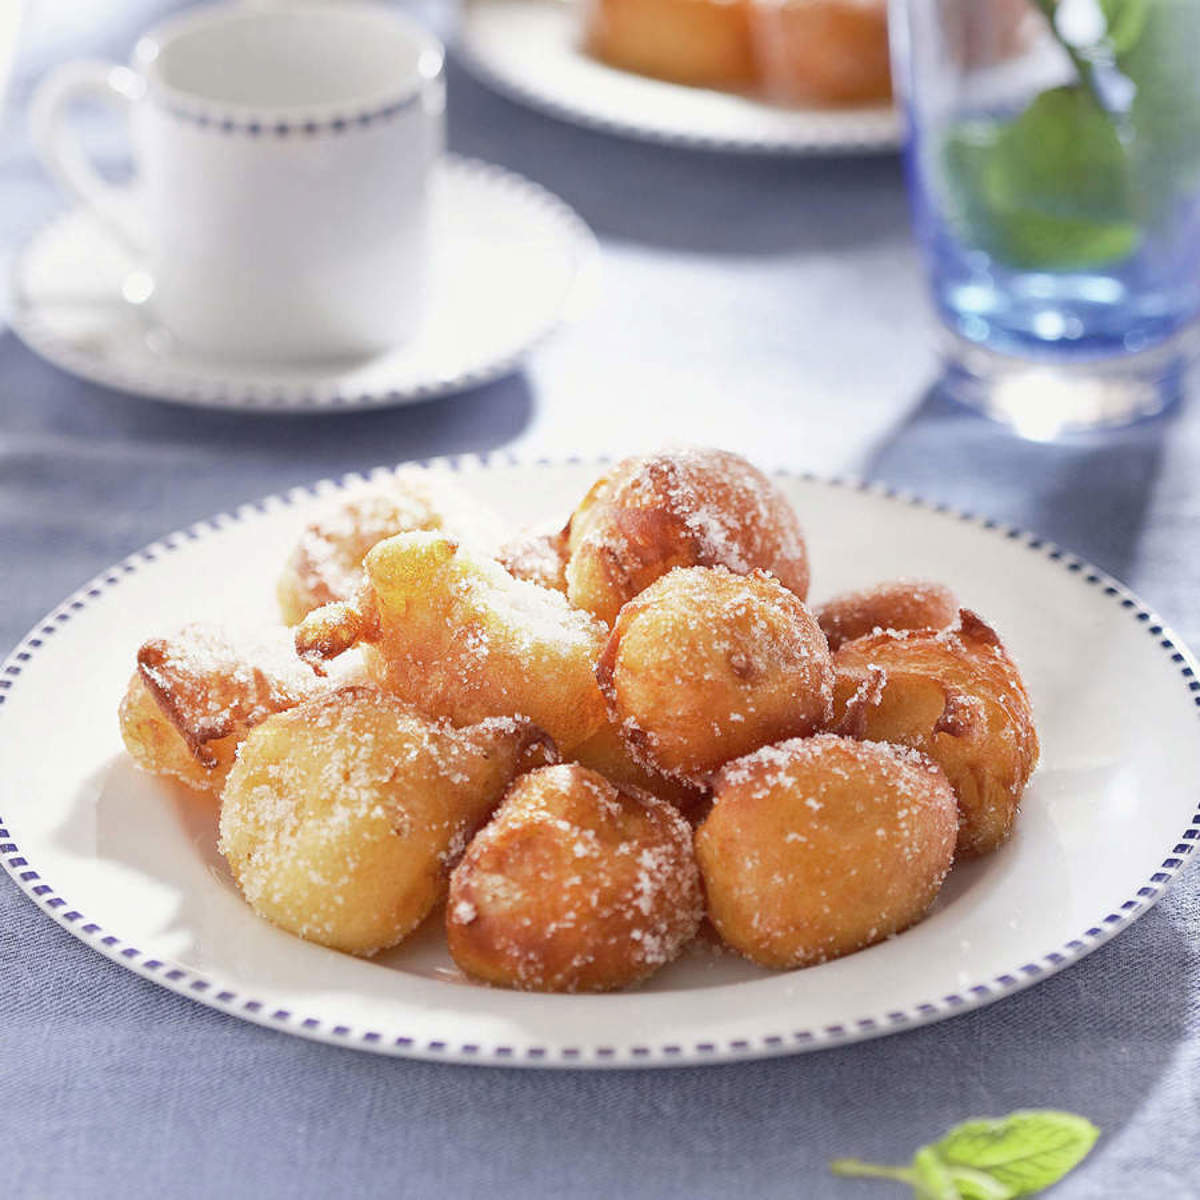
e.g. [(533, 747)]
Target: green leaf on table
[(973, 1184), (1000, 1158), (931, 1177), (1026, 1151), (1047, 190)]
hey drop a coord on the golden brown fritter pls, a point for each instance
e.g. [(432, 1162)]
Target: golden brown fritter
[(458, 637), (682, 508), (957, 696), (197, 693), (897, 604), (705, 666), (540, 558), (574, 886), (606, 753), (342, 817), (818, 847), (326, 563)]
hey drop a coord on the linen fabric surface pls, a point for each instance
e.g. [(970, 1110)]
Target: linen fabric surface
[(773, 307)]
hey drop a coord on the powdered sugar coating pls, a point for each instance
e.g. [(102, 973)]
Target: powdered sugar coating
[(537, 556), (691, 507), (818, 847), (342, 817), (706, 665), (197, 692), (326, 563), (456, 635), (575, 885)]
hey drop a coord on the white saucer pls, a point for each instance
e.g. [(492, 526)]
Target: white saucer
[(528, 49), (509, 262)]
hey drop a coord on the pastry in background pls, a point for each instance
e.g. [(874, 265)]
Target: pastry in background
[(982, 32), (794, 52), (823, 51), (706, 43)]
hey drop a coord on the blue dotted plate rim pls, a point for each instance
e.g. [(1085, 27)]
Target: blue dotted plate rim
[(196, 986)]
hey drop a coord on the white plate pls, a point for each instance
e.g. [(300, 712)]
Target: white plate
[(509, 262), (128, 864), (528, 50)]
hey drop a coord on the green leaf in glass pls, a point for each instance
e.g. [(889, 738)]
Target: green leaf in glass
[(1124, 20), (1048, 190), (1164, 114)]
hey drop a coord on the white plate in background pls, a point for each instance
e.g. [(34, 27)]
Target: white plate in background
[(528, 49)]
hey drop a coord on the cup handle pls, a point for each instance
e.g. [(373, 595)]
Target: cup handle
[(61, 152)]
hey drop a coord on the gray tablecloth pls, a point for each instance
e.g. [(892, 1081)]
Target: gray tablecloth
[(774, 307)]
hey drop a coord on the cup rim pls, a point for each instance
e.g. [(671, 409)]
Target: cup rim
[(431, 57)]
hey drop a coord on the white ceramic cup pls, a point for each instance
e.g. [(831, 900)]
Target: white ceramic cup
[(283, 159)]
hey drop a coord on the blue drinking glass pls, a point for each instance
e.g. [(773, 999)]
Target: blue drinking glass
[(1053, 161)]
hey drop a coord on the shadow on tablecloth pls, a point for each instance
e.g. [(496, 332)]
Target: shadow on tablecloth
[(1089, 493), (40, 404), (1098, 1039), (680, 199)]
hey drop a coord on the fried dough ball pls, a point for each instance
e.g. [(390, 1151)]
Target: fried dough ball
[(326, 563), (897, 604), (574, 886), (682, 508), (824, 51), (540, 558), (341, 818), (705, 666), (605, 752), (197, 693), (957, 696), (158, 747), (818, 847), (457, 636), (705, 43)]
